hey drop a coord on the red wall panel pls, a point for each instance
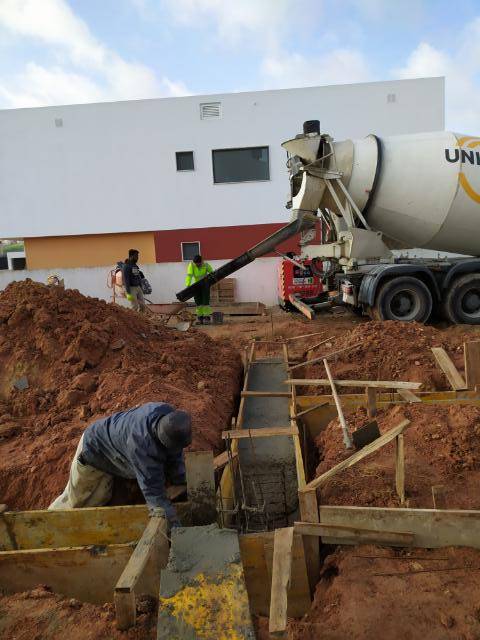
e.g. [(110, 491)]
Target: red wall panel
[(217, 243)]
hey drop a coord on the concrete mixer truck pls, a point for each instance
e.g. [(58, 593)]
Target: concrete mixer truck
[(374, 198)]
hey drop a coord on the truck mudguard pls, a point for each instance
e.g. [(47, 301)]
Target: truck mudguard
[(374, 278)]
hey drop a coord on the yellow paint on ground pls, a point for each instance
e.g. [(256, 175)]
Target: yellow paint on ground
[(96, 250), (213, 606)]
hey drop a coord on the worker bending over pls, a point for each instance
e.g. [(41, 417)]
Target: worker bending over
[(197, 270), (145, 443), (132, 279)]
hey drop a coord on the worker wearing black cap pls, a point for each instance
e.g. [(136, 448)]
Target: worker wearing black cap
[(145, 443)]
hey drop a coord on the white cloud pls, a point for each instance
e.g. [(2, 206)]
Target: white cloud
[(335, 67), (93, 72), (236, 21), (462, 72)]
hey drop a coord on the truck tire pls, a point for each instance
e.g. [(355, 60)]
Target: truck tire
[(405, 299), (462, 301)]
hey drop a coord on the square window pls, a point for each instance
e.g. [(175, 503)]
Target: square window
[(241, 165), (190, 250), (185, 161)]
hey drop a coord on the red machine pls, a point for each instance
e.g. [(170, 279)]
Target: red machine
[(303, 281)]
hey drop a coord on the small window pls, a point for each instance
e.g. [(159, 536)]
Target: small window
[(209, 110), (190, 250), (240, 165), (185, 161)]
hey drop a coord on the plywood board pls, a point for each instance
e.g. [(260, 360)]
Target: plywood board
[(449, 369)]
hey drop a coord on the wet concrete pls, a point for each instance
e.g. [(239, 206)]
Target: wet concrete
[(202, 590), (268, 465)]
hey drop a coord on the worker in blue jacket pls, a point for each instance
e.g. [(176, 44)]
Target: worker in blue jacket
[(145, 443)]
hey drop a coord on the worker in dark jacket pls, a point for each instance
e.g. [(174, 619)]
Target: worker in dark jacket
[(132, 279), (145, 443)]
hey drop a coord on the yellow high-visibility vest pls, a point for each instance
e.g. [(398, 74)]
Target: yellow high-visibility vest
[(197, 273)]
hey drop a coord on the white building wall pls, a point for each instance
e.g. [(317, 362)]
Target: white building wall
[(257, 282), (111, 167)]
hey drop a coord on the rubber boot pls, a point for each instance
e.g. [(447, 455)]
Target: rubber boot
[(199, 320), (207, 319)]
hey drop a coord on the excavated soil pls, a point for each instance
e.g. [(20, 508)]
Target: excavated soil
[(83, 359), (442, 447), (433, 594), (40, 614)]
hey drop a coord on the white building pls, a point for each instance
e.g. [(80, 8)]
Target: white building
[(173, 176)]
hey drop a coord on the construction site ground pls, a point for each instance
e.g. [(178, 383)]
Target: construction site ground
[(82, 359)]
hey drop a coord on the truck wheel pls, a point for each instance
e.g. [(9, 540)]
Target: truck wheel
[(405, 299), (462, 302)]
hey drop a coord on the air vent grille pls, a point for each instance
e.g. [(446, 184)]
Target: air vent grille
[(210, 110)]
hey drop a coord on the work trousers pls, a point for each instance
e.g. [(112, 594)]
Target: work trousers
[(202, 300), (138, 302), (86, 486)]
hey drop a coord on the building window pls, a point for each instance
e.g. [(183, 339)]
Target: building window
[(240, 165), (190, 250), (185, 161)]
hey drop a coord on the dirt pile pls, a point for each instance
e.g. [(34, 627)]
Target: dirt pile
[(39, 613), (442, 447), (392, 351), (82, 359)]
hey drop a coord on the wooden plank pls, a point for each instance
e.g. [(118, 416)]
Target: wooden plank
[(310, 409), (265, 394), (254, 561), (320, 358), (319, 344), (302, 307), (86, 573), (263, 432), (347, 441), (240, 309), (309, 513), (299, 600), (400, 467), (281, 574), (305, 335), (358, 455), (201, 486), (371, 395), (449, 369), (377, 384), (431, 528), (125, 609), (439, 496), (471, 353), (354, 535), (221, 460), (408, 395)]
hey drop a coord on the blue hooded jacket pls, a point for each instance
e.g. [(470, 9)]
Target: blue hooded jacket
[(125, 444)]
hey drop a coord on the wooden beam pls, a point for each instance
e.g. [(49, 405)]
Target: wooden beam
[(302, 307), (400, 467), (221, 460), (354, 535), (319, 344), (371, 394), (471, 352), (306, 335), (449, 369), (407, 395), (263, 432), (358, 455), (347, 440), (281, 574), (431, 528), (309, 512), (201, 486), (312, 408), (320, 358), (265, 394), (377, 384)]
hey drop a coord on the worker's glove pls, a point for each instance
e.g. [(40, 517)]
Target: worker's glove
[(129, 297)]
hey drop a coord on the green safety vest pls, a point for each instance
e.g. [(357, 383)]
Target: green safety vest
[(197, 273)]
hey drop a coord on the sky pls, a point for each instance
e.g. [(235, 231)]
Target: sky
[(74, 51)]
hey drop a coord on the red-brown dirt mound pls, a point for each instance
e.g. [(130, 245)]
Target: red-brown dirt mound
[(391, 351), (40, 614), (442, 447), (84, 358)]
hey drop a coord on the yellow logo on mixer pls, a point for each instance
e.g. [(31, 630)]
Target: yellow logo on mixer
[(470, 155)]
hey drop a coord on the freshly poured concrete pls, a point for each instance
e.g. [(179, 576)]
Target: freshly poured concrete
[(202, 590), (268, 463)]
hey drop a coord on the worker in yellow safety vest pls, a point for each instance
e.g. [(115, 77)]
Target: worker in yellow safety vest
[(197, 270)]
